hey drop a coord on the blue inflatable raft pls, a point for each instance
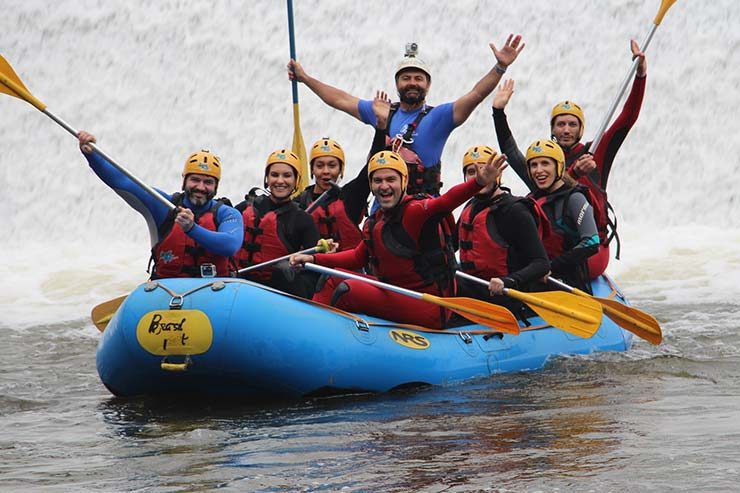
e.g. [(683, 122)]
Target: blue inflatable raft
[(233, 338)]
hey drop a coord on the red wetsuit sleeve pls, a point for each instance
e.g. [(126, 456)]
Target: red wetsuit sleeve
[(617, 132), (349, 259), (418, 212)]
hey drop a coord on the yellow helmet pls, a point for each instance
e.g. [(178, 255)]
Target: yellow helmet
[(286, 157), (568, 108), (546, 148), (411, 61), (477, 155), (389, 160), (327, 147), (203, 163)]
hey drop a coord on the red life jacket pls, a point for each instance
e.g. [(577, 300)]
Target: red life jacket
[(483, 251), (424, 264), (422, 179), (263, 240), (178, 255), (332, 221), (605, 223), (558, 240)]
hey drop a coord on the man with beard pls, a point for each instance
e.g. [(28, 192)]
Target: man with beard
[(412, 123), (195, 239)]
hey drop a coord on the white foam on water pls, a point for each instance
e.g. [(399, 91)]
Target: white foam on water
[(155, 81)]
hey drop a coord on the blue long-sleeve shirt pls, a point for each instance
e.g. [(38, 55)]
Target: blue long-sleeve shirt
[(225, 241)]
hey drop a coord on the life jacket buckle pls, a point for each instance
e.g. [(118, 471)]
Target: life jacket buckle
[(207, 270)]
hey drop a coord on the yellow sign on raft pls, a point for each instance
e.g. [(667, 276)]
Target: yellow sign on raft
[(175, 332), (409, 339)]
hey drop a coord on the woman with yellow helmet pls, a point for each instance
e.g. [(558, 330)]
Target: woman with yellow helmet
[(499, 237), (573, 236), (274, 226), (337, 211), (590, 167)]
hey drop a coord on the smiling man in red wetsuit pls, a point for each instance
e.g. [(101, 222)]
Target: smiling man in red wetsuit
[(405, 243)]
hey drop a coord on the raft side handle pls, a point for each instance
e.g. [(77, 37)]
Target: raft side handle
[(362, 325), (467, 339), (497, 335), (166, 366)]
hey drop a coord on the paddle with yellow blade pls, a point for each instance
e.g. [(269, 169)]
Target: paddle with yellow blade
[(493, 316), (102, 313), (299, 148), (12, 85), (664, 6), (577, 316), (629, 318)]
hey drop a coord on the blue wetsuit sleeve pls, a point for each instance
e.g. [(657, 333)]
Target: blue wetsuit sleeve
[(365, 108), (136, 196), (228, 239)]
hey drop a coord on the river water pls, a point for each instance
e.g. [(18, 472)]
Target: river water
[(155, 81)]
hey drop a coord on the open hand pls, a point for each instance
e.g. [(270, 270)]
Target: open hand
[(488, 173), (381, 108), (506, 55), (503, 94)]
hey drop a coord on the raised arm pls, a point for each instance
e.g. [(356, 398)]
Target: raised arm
[(336, 98), (464, 106), (506, 141)]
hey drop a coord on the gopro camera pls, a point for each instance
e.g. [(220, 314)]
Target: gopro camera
[(207, 270), (412, 49)]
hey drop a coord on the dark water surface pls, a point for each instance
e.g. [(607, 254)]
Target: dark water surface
[(651, 419)]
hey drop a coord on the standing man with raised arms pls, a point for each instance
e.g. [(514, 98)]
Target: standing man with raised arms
[(419, 127)]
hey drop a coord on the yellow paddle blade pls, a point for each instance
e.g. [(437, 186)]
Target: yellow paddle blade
[(573, 314), (664, 6), (494, 316), (12, 85), (102, 313), (299, 149), (636, 321)]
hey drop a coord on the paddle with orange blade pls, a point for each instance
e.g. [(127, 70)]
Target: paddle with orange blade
[(567, 312), (629, 318), (493, 316)]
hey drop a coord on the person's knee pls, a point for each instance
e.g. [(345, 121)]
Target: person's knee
[(341, 289)]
